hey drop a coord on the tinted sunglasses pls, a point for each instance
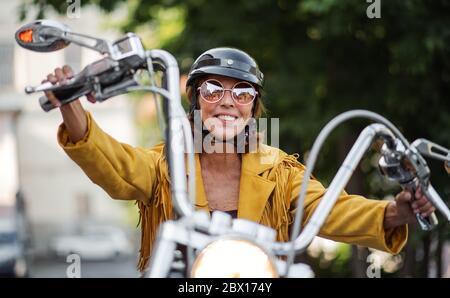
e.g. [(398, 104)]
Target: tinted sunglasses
[(212, 91)]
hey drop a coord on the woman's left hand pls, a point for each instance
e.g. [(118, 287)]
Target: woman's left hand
[(403, 209)]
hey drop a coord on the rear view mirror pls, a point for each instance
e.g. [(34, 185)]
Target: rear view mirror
[(42, 36)]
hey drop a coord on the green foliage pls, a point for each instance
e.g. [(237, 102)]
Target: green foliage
[(334, 266)]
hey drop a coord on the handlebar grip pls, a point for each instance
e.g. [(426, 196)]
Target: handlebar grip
[(65, 96), (45, 104)]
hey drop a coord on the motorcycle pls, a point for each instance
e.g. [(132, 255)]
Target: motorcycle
[(217, 245)]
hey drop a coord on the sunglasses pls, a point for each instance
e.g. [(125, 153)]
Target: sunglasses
[(212, 91)]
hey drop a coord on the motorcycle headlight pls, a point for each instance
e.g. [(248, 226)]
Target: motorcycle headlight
[(231, 258)]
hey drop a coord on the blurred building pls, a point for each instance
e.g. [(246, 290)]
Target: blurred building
[(57, 193)]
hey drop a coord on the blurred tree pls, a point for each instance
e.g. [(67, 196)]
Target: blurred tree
[(320, 58)]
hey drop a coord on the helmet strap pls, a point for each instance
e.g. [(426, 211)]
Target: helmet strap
[(194, 106)]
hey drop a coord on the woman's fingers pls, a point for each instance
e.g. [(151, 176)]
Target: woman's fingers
[(91, 97), (52, 78), (60, 75), (427, 209), (51, 97), (404, 196), (419, 202), (418, 193), (422, 205), (68, 72)]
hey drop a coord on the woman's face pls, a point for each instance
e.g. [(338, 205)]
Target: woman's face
[(224, 119)]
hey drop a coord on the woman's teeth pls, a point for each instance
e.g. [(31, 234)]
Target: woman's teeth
[(226, 117)]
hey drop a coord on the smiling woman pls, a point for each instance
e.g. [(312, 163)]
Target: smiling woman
[(262, 185)]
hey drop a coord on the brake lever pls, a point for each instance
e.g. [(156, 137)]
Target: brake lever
[(42, 87), (48, 86), (433, 150)]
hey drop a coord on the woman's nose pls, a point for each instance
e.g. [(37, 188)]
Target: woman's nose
[(227, 99)]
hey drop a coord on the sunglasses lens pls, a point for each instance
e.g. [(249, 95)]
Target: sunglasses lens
[(244, 93), (211, 91)]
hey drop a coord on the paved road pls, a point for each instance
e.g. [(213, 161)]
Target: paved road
[(56, 268)]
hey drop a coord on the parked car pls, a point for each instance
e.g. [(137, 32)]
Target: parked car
[(94, 243), (14, 240)]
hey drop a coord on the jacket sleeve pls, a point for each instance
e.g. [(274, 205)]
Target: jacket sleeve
[(123, 171), (353, 219)]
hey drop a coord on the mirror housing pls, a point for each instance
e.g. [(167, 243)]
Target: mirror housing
[(43, 36)]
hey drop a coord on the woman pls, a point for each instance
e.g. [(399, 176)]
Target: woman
[(262, 186)]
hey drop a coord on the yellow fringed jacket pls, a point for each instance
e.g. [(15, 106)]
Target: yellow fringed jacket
[(269, 186)]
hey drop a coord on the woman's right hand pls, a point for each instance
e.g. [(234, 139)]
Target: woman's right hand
[(61, 75), (73, 113)]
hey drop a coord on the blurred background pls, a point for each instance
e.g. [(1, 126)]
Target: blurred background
[(319, 57)]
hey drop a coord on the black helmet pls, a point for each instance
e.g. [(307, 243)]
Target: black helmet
[(228, 62)]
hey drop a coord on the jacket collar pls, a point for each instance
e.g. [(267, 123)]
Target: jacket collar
[(255, 189)]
